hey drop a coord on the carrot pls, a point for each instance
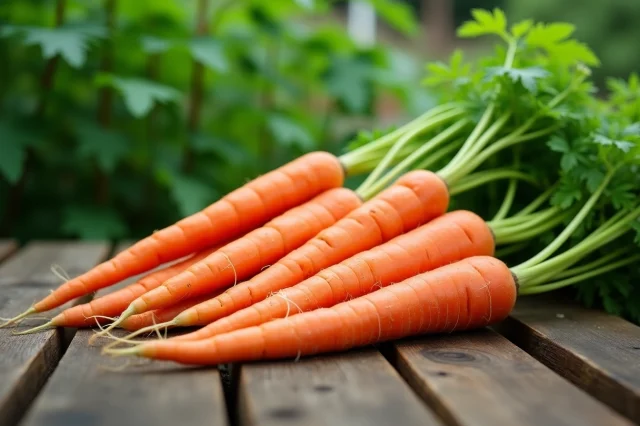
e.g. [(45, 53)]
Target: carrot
[(416, 198), (235, 214), (471, 293), (149, 318), (243, 258), (449, 238)]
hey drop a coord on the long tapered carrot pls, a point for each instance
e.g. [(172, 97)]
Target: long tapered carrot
[(243, 258), (112, 304), (449, 238), (235, 214), (471, 293), (416, 198)]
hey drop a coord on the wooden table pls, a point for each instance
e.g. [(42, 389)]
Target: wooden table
[(548, 364)]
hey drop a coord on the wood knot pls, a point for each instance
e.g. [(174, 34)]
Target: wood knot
[(454, 357)]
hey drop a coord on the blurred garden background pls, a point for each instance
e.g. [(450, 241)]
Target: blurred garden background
[(119, 117)]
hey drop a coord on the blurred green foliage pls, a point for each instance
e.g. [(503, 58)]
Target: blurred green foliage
[(610, 28), (120, 117)]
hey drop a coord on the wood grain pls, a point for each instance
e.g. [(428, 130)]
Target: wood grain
[(88, 389), (598, 352), (480, 378), (27, 361), (356, 388), (7, 247)]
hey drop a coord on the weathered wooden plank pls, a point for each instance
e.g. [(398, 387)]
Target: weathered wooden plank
[(6, 248), (27, 361), (85, 390), (596, 351), (480, 378), (356, 388)]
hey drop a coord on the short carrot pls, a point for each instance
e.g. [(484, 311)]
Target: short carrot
[(471, 293), (243, 258), (235, 214), (416, 198), (449, 238)]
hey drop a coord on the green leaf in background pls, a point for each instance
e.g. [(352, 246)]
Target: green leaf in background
[(289, 132), (13, 143), (209, 52), (484, 23), (106, 146), (155, 45), (397, 14), (229, 151), (72, 43), (348, 80), (191, 195), (139, 94), (93, 223)]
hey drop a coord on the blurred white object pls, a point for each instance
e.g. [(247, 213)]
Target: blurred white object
[(362, 22)]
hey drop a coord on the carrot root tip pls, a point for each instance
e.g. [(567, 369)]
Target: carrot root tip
[(46, 326), (18, 318), (134, 350), (105, 331), (155, 328)]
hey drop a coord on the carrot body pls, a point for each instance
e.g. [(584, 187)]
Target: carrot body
[(416, 198), (112, 304), (235, 214), (471, 293), (246, 256), (449, 238)]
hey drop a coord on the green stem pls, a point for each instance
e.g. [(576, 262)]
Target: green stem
[(531, 230), (570, 229), (565, 260), (432, 159), (368, 192), (506, 251), (508, 200), (481, 178), (475, 134), (384, 142), (507, 225), (578, 278), (430, 124), (594, 264)]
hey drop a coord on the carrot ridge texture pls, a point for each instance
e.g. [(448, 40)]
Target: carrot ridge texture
[(235, 214), (243, 258), (450, 238), (414, 199), (471, 293)]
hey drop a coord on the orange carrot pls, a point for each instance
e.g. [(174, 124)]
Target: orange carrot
[(235, 214), (112, 304), (449, 238), (416, 198), (149, 318), (243, 258), (471, 293)]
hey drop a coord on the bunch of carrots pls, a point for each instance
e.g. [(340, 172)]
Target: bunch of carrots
[(293, 263)]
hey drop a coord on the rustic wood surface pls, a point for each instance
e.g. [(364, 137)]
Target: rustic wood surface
[(462, 375), (88, 388), (598, 352), (358, 388), (27, 361), (565, 365)]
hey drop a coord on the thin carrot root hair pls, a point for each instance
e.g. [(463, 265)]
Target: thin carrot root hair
[(59, 272), (283, 296), (115, 338), (155, 328), (235, 274), (18, 318), (105, 331)]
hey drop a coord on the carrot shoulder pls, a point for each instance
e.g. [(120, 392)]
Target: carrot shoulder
[(235, 214), (471, 293), (449, 238), (416, 198)]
